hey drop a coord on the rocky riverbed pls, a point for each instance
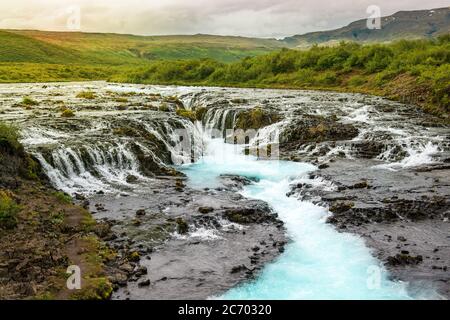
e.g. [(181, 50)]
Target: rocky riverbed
[(383, 172)]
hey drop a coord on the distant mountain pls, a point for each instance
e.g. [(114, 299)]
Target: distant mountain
[(401, 25)]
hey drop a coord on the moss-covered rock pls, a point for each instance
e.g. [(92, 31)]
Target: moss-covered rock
[(256, 118), (188, 114), (67, 113), (88, 95), (313, 128), (182, 226)]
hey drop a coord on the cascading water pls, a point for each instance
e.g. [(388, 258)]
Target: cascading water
[(102, 147), (319, 263)]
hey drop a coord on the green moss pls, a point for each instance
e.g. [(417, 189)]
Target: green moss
[(255, 118), (89, 95), (188, 114), (26, 101), (200, 113), (9, 210), (126, 131), (134, 256), (94, 289), (63, 197), (164, 107), (175, 100), (121, 100), (67, 113)]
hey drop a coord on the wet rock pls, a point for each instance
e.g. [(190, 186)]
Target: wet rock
[(126, 267), (312, 128), (236, 181), (140, 213), (182, 226), (79, 197), (256, 118), (141, 271), (85, 204), (205, 210), (403, 259), (361, 185), (131, 179), (341, 206), (100, 207), (134, 256), (119, 279), (144, 283), (258, 214), (238, 269), (323, 166)]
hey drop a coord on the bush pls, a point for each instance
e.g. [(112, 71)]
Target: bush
[(8, 211), (9, 134)]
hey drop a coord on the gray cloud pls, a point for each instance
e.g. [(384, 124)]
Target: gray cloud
[(261, 18)]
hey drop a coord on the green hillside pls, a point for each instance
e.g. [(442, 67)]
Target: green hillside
[(413, 71), (18, 48), (104, 48)]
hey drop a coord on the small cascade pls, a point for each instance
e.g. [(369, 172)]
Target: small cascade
[(90, 169)]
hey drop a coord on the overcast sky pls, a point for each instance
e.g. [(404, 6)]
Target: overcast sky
[(260, 18)]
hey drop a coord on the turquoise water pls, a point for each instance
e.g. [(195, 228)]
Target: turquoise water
[(319, 262)]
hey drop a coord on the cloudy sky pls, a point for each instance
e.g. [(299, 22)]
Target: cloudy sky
[(261, 18)]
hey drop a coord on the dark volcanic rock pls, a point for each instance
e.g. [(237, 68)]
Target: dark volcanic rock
[(311, 128), (403, 215)]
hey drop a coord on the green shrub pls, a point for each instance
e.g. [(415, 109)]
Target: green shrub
[(357, 81), (8, 211), (10, 134), (63, 197)]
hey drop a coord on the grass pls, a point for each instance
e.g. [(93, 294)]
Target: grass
[(89, 95), (63, 197), (411, 71), (8, 211), (29, 102), (117, 49), (416, 71), (10, 135)]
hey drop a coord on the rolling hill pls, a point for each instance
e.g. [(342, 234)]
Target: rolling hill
[(401, 25), (105, 48)]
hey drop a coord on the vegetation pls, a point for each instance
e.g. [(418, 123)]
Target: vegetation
[(8, 211), (89, 95), (188, 114), (413, 71), (256, 118), (9, 134), (416, 71), (67, 113), (63, 197), (26, 101), (116, 49)]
